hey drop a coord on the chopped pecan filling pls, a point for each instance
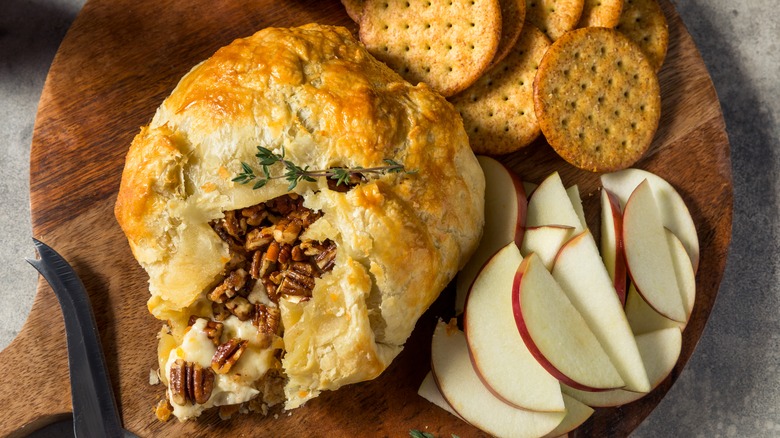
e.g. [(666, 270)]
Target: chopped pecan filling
[(267, 252), (266, 255)]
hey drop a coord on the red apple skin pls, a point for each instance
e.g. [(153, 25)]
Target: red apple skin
[(471, 355), (522, 207), (621, 269), (522, 211), (474, 360), (571, 241), (631, 275), (485, 383), (529, 342), (438, 386)]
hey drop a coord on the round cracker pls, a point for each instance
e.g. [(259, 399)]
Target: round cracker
[(601, 13), (446, 44), (554, 17), (354, 8), (498, 109), (644, 22), (597, 99), (512, 18)]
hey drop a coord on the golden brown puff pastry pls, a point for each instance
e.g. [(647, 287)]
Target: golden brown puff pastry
[(316, 94)]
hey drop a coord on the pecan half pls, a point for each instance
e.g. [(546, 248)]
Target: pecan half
[(254, 215), (327, 258), (266, 319), (258, 238), (297, 254), (177, 382), (241, 307), (298, 280), (230, 287), (234, 225), (285, 254), (227, 355), (287, 231), (190, 382)]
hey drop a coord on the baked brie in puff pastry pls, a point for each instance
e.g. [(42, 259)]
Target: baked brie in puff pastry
[(274, 294)]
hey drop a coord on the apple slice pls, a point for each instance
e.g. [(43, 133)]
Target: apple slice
[(579, 271), (545, 241), (674, 212), (576, 201), (505, 212), (648, 255), (576, 414), (429, 391), (464, 391), (499, 355), (660, 350), (551, 205), (642, 317), (612, 250), (529, 188), (556, 334)]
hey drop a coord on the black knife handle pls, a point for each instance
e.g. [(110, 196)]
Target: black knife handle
[(95, 412)]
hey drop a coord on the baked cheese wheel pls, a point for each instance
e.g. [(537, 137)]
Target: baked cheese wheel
[(372, 255)]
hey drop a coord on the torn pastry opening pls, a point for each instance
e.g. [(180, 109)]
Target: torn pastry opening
[(231, 350)]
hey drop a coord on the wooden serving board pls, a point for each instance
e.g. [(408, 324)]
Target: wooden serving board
[(119, 60)]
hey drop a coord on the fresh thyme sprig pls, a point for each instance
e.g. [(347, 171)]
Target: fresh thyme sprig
[(294, 173)]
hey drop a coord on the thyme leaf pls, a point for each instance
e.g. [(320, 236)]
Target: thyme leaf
[(294, 174)]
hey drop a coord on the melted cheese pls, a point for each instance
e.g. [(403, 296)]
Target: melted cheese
[(237, 385)]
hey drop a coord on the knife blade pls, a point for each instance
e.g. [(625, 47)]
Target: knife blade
[(95, 412)]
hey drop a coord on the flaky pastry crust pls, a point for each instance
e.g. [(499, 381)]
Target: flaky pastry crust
[(316, 93)]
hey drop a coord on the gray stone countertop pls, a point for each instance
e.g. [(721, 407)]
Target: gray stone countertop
[(730, 387)]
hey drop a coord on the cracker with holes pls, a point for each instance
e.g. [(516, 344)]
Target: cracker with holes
[(554, 17), (512, 18), (498, 110), (354, 8), (644, 23), (446, 44), (597, 99), (600, 13)]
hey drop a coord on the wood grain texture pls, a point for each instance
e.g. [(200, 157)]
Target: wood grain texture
[(116, 65)]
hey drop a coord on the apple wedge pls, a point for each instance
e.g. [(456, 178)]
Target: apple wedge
[(660, 350), (576, 414), (612, 250), (556, 334), (545, 241), (500, 357), (648, 254), (551, 205), (642, 317), (674, 212), (579, 271), (576, 201), (505, 212), (529, 188), (464, 391), (429, 391)]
